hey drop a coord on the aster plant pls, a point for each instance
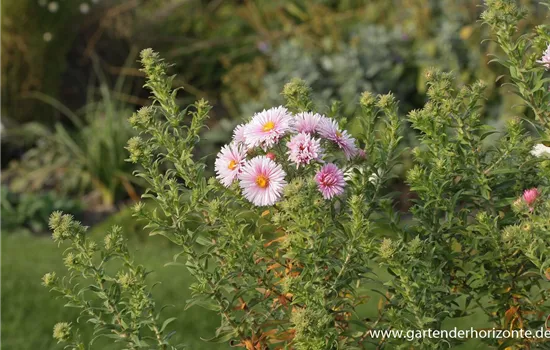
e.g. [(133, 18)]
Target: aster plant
[(282, 240), (118, 305), (285, 221)]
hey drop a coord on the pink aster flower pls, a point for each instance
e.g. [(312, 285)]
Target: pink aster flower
[(303, 149), (330, 180), (307, 122), (328, 129), (229, 163), (545, 59), (267, 127), (262, 181), (530, 197), (239, 134)]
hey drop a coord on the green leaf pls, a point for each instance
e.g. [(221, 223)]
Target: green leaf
[(166, 323), (207, 304), (223, 337)]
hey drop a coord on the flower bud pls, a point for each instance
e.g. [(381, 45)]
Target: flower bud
[(297, 90), (519, 205), (142, 118), (415, 246), (138, 208), (387, 248), (55, 220), (530, 196), (432, 73), (49, 279), (138, 149), (126, 280), (70, 260), (367, 99), (113, 240), (510, 233), (64, 226), (62, 332), (386, 101)]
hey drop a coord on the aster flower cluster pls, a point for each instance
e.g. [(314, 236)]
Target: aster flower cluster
[(275, 140)]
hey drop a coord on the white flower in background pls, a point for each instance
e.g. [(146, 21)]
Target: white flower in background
[(84, 8), (540, 150), (47, 37), (53, 6)]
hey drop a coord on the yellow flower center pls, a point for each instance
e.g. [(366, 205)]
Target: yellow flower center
[(338, 134), (269, 126), (262, 181), (232, 165)]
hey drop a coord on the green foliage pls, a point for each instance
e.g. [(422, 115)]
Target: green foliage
[(32, 210), (87, 158), (521, 55), (250, 28), (464, 188), (373, 59), (119, 305)]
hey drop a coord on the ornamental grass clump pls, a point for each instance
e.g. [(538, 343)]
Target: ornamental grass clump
[(283, 239)]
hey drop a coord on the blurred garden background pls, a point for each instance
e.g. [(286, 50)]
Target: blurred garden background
[(70, 80)]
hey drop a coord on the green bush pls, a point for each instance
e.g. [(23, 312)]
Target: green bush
[(373, 59), (32, 210)]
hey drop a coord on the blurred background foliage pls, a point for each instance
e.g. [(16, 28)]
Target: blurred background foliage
[(70, 80)]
